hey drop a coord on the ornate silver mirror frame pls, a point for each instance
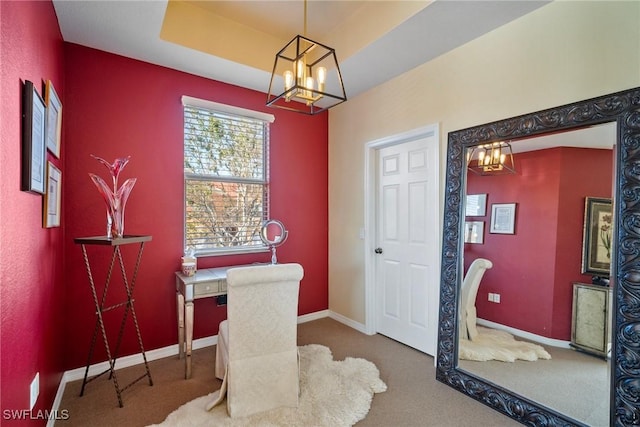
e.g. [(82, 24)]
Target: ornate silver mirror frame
[(623, 108)]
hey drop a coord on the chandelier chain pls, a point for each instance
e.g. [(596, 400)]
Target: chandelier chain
[(304, 33)]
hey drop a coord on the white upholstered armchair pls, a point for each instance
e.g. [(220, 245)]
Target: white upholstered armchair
[(468, 293), (257, 353)]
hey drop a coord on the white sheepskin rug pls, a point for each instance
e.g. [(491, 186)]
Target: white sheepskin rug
[(332, 393), (493, 344)]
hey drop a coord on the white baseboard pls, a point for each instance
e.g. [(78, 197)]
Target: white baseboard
[(172, 350), (313, 316), (122, 362), (136, 359), (351, 323), (524, 334)]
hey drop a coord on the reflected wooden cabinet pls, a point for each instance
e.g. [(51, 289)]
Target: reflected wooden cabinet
[(591, 319)]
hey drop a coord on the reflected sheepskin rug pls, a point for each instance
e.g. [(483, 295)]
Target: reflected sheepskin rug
[(493, 344), (332, 393)]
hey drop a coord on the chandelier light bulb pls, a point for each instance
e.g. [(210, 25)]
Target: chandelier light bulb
[(480, 158), (288, 80), (322, 77), (300, 71), (496, 155), (309, 85)]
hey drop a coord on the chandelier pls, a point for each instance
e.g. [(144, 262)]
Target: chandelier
[(306, 77), (491, 159)]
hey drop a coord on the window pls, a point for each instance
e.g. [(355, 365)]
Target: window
[(226, 177)]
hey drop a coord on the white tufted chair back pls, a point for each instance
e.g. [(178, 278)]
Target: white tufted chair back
[(468, 294), (257, 352)]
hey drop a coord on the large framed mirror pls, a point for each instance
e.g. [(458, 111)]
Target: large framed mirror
[(616, 119)]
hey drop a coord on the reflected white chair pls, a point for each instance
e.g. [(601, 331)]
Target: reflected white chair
[(257, 352), (468, 294)]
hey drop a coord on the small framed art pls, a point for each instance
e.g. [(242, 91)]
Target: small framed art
[(54, 119), (474, 232), (51, 211), (503, 218), (33, 140), (596, 239), (476, 205)]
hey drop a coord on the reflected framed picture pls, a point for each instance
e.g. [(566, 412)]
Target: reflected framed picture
[(54, 119), (474, 232), (52, 198), (503, 218), (33, 140), (476, 205), (596, 240)]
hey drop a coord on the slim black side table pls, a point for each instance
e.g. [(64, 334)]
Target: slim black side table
[(115, 243)]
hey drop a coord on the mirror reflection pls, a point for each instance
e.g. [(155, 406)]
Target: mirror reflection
[(273, 234), (533, 317)]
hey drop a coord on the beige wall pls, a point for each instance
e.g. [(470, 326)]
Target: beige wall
[(561, 53)]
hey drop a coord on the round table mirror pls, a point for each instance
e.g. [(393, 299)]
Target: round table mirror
[(273, 234)]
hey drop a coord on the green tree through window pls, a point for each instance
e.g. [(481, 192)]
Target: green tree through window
[(225, 179)]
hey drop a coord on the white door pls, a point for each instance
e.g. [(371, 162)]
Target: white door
[(407, 235)]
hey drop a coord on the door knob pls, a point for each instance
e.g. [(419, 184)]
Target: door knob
[(378, 250)]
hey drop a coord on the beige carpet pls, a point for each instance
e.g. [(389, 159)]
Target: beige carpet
[(332, 393), (413, 398), (572, 382), (492, 344)]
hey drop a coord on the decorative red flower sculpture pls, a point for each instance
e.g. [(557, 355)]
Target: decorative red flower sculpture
[(115, 199)]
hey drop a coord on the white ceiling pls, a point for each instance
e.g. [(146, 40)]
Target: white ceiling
[(602, 136), (413, 32), (425, 31)]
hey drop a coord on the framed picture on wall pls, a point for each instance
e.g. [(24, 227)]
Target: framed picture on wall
[(474, 232), (503, 218), (33, 142), (596, 240), (54, 119), (51, 211), (476, 205)]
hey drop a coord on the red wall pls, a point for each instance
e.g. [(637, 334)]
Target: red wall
[(116, 107), (32, 290), (113, 107), (533, 269)]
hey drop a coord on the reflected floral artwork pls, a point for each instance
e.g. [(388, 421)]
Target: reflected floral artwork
[(605, 234), (598, 223)]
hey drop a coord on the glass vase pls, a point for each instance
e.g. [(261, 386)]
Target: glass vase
[(116, 202)]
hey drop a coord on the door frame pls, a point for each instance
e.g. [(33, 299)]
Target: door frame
[(370, 198)]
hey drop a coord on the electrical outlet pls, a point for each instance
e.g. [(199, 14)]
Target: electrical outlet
[(34, 391), (494, 297)]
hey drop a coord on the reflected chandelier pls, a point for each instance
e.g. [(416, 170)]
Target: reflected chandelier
[(306, 77), (491, 159)]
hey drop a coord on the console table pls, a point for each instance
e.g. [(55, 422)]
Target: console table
[(206, 283), (114, 243), (591, 319)]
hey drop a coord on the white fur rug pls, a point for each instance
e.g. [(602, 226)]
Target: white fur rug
[(493, 344), (332, 393)]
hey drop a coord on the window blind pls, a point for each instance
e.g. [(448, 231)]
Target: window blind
[(226, 180)]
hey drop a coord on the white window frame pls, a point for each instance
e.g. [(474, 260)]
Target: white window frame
[(197, 103)]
